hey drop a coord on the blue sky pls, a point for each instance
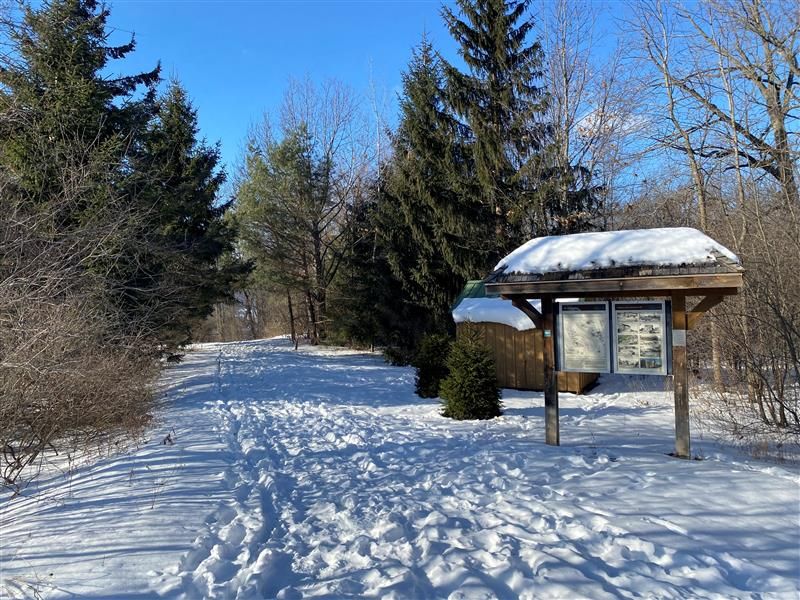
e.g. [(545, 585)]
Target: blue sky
[(235, 57)]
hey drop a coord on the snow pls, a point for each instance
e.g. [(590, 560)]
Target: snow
[(319, 473), (497, 310), (493, 310), (668, 246)]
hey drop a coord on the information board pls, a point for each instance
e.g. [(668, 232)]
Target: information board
[(584, 337), (639, 338)]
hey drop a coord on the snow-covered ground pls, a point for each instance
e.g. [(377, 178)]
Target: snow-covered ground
[(319, 473)]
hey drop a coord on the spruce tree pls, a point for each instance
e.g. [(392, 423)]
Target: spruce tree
[(431, 364), (181, 180), (429, 181), (500, 103), (470, 390), (57, 95), (78, 373), (369, 304), (435, 228), (69, 134), (365, 308), (420, 301)]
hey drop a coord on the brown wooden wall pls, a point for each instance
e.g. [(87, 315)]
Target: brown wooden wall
[(519, 359)]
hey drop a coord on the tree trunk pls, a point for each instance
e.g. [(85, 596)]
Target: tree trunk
[(313, 332), (249, 316), (291, 318), (320, 287)]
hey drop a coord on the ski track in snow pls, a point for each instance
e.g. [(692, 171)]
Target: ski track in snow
[(338, 482)]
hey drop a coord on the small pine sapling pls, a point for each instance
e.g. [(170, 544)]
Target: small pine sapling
[(431, 364), (470, 390)]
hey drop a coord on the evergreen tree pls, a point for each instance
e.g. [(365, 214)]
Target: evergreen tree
[(355, 299), (153, 203), (68, 134), (431, 364), (185, 271), (278, 202), (56, 94), (363, 308), (470, 390), (368, 303), (500, 103), (74, 369), (436, 231)]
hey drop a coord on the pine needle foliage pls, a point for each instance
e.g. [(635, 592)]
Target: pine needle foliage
[(499, 102), (470, 390), (365, 308), (188, 266), (436, 233), (431, 364), (54, 88)]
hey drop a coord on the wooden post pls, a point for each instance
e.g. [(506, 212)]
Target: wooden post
[(550, 376), (680, 375)]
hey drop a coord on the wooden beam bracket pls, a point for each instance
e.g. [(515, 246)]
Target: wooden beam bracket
[(522, 304), (702, 307)]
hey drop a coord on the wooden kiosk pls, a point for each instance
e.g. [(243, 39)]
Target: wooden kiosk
[(673, 263), (516, 345)]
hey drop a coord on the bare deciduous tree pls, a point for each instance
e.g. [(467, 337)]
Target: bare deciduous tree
[(293, 199), (590, 107), (728, 70), (71, 376)]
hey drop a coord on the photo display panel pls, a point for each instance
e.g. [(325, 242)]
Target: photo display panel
[(584, 337), (639, 338)]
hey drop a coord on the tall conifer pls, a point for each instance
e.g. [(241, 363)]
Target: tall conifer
[(434, 227), (181, 181), (368, 306), (502, 106), (57, 95)]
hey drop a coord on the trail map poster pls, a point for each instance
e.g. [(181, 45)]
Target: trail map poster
[(584, 337), (639, 339)]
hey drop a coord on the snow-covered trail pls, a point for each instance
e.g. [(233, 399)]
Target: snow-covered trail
[(327, 477), (356, 487)]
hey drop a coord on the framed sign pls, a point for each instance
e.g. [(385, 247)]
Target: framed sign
[(640, 338), (583, 332)]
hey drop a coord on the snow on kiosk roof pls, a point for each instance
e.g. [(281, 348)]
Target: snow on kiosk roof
[(674, 246), (657, 261)]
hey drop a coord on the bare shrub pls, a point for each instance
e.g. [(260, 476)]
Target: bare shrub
[(761, 329), (64, 386), (73, 371)]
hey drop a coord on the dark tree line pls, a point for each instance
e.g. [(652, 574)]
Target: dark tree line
[(111, 232), (472, 173)]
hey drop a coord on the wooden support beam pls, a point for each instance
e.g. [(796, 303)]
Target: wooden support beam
[(680, 375), (702, 307), (522, 304), (690, 285), (552, 436)]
